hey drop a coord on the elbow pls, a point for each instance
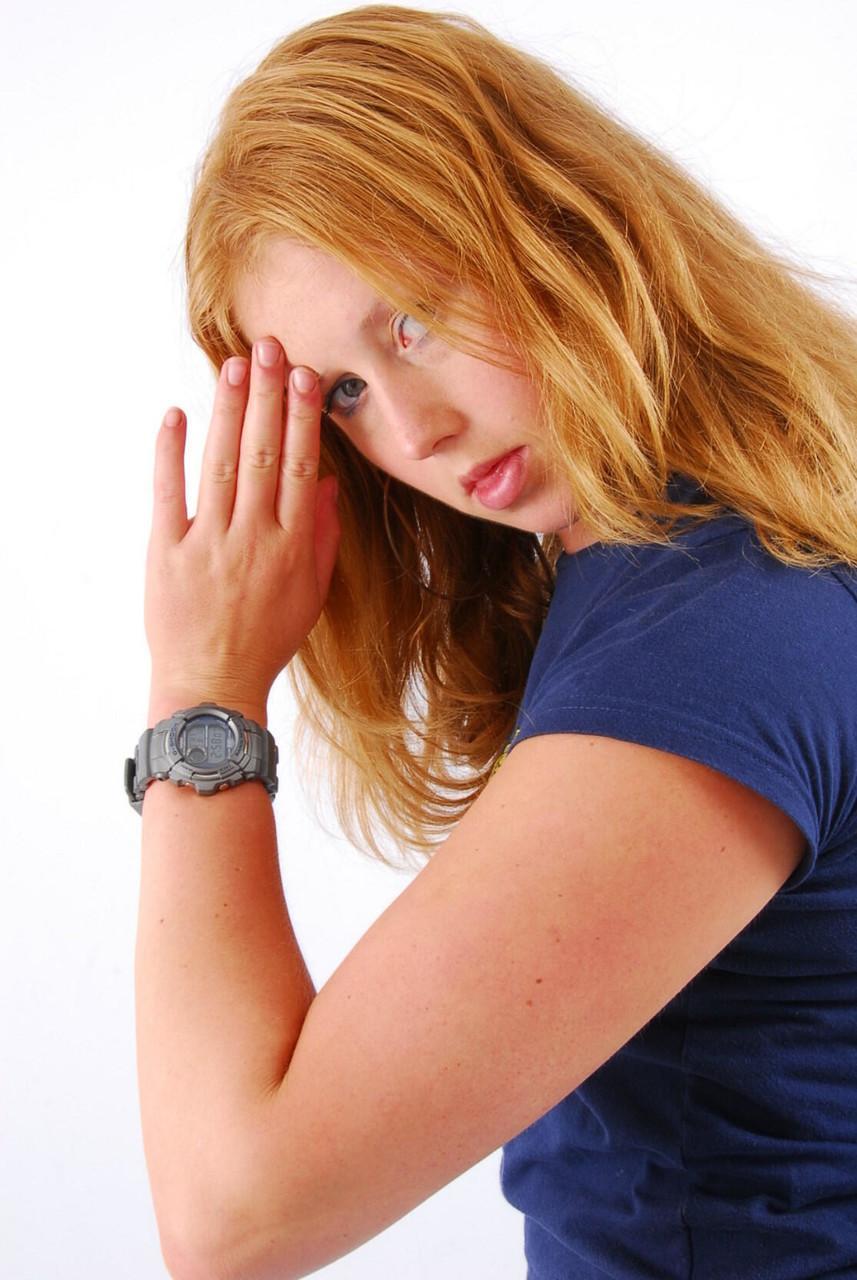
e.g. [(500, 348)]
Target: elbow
[(242, 1253), (192, 1256), (235, 1224), (190, 1243), (182, 1262)]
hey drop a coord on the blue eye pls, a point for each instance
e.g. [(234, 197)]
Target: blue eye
[(346, 410), (335, 406)]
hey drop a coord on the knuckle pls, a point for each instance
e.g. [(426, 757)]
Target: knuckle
[(270, 391), (261, 457), (167, 493), (300, 468), (301, 407), (304, 413), (220, 471)]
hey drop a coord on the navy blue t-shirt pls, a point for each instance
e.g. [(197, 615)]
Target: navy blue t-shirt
[(721, 1142)]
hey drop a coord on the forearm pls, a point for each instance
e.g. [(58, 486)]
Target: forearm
[(222, 990)]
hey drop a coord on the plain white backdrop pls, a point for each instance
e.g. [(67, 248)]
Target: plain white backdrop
[(106, 109)]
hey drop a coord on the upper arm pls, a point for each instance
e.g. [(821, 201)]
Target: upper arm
[(591, 880)]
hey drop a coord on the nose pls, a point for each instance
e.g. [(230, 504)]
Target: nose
[(422, 425)]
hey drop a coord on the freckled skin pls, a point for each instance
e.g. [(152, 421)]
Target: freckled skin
[(427, 413)]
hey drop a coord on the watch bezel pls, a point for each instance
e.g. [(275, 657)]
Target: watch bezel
[(238, 740), (182, 769)]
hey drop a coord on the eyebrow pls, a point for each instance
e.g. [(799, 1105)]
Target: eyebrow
[(327, 380)]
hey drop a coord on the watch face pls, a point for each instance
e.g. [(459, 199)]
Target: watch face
[(206, 742)]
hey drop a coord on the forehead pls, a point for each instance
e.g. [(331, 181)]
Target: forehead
[(323, 312), (296, 288)]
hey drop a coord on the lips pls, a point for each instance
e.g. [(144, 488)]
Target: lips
[(473, 477), (499, 483)]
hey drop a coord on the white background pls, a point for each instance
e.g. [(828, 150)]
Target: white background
[(105, 111)]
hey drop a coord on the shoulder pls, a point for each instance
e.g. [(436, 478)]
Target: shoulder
[(715, 651), (716, 614)]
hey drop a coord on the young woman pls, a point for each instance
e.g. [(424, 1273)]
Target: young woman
[(581, 623)]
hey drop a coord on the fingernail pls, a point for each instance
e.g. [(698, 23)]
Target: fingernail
[(236, 368), (267, 354), (303, 379), (172, 417)]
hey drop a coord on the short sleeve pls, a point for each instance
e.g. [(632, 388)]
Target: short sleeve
[(718, 652)]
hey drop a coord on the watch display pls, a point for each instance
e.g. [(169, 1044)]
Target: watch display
[(204, 741)]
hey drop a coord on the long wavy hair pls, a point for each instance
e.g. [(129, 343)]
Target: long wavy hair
[(465, 180)]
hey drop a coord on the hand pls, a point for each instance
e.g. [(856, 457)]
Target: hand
[(232, 593)]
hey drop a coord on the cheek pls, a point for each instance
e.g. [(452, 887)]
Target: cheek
[(370, 445), (343, 443), (505, 395)]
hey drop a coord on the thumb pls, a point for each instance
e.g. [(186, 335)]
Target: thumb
[(327, 532)]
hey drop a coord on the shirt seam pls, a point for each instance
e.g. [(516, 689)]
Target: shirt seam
[(689, 724), (801, 810)]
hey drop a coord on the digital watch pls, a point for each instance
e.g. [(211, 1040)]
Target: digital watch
[(206, 747)]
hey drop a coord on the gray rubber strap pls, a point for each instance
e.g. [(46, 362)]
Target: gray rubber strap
[(257, 758)]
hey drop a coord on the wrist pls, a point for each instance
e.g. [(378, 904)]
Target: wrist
[(164, 703)]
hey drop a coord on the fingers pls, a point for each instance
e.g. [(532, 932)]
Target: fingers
[(262, 436), (219, 473), (252, 468), (169, 519), (296, 497)]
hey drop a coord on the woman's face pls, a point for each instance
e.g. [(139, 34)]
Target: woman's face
[(425, 413)]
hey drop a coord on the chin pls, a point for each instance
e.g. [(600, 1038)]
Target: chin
[(543, 523)]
